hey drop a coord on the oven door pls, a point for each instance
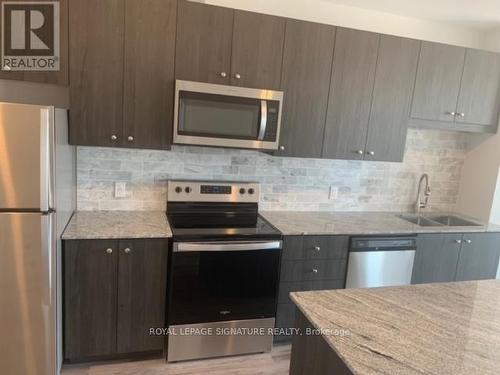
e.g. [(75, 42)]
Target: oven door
[(223, 281), (226, 116)]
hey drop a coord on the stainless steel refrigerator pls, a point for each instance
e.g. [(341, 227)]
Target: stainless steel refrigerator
[(37, 197)]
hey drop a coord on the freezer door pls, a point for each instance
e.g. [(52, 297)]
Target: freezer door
[(28, 294), (26, 157)]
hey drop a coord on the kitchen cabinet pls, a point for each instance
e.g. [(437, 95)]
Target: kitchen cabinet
[(203, 51), (114, 291), (370, 93), (456, 89), (309, 263), (90, 291), (391, 99), (351, 87), (227, 46), (456, 257), (257, 50), (121, 72), (59, 77), (479, 257), (436, 258), (306, 72)]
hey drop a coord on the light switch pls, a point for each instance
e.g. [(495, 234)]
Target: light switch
[(120, 190)]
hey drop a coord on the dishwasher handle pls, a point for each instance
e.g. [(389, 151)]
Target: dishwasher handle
[(361, 244)]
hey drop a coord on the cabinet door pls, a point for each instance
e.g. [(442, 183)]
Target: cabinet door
[(90, 285), (52, 77), (96, 30), (436, 258), (394, 81), (203, 48), (141, 294), (479, 97), (307, 65), (149, 73), (351, 89), (479, 257), (257, 52), (438, 82)]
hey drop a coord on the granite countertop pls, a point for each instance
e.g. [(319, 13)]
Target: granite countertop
[(448, 328), (117, 224), (358, 223)]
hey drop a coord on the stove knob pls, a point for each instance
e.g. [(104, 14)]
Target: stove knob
[(188, 189), (251, 191), (242, 191), (178, 189)]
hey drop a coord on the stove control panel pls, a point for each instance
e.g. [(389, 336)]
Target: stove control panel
[(210, 191)]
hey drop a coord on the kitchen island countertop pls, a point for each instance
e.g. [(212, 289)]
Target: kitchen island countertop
[(443, 328)]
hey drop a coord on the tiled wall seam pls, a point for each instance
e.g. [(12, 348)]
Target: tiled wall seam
[(287, 183)]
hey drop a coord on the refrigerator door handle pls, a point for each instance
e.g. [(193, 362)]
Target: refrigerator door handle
[(47, 178), (48, 246)]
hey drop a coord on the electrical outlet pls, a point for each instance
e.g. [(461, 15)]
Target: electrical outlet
[(120, 190), (334, 193)]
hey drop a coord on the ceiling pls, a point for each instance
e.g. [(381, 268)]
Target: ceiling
[(478, 14)]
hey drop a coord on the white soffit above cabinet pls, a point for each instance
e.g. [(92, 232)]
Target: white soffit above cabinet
[(478, 14)]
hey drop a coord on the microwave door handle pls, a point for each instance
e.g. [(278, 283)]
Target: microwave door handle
[(263, 120)]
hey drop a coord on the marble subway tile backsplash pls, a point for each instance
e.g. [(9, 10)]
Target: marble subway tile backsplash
[(287, 183)]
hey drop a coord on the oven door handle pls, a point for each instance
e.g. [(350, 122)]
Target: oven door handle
[(180, 247), (263, 120)]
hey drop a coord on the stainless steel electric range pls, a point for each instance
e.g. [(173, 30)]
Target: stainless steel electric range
[(223, 271)]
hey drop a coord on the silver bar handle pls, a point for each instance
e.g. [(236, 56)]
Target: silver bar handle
[(226, 246), (263, 120)]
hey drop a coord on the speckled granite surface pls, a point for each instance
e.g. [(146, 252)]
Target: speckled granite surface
[(117, 224), (356, 223), (451, 328)]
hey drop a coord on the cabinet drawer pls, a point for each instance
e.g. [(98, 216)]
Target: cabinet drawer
[(301, 286), (304, 270), (315, 247)]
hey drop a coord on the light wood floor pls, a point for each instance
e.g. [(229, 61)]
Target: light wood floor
[(276, 363)]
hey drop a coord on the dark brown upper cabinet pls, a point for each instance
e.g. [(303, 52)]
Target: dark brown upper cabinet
[(257, 52), (391, 100), (96, 71), (305, 80), (224, 46), (370, 92), (351, 88), (479, 98), (203, 51), (456, 89), (122, 72), (59, 77)]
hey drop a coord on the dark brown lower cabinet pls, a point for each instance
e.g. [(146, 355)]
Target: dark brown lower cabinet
[(114, 292), (308, 263)]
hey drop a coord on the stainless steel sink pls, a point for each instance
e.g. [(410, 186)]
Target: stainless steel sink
[(453, 221), (438, 221), (421, 221)]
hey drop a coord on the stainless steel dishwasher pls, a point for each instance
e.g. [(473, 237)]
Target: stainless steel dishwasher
[(380, 261)]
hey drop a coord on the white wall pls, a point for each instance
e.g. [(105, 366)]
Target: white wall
[(358, 18)]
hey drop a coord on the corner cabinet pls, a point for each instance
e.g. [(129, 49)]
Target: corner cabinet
[(229, 47), (122, 72), (456, 257), (370, 94), (456, 89), (114, 292)]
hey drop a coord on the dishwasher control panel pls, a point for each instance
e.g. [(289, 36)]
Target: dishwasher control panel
[(377, 243)]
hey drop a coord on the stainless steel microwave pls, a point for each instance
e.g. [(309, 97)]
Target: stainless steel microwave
[(226, 116)]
